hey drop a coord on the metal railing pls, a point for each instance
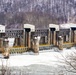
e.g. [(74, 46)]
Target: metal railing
[(68, 45), (18, 50)]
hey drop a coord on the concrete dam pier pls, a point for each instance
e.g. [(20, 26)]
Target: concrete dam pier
[(29, 37)]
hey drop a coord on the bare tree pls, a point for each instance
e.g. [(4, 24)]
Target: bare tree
[(69, 62)]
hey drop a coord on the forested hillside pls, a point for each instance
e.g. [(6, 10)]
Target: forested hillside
[(14, 13)]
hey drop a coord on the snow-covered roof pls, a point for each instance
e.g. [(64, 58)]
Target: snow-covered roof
[(32, 27), (67, 26), (2, 25), (54, 26), (2, 29)]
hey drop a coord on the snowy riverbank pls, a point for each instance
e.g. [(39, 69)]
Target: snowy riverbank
[(46, 57), (46, 63)]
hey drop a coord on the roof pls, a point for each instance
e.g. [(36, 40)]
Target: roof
[(67, 26), (32, 27), (2, 26), (2, 29), (54, 26)]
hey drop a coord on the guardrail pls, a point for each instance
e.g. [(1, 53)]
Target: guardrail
[(45, 47), (41, 47), (68, 45), (18, 50)]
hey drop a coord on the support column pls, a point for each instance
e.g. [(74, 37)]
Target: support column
[(54, 38), (21, 41), (19, 44), (28, 28), (60, 43), (49, 37), (45, 39), (16, 42), (51, 33), (1, 42), (26, 39), (66, 38), (57, 38), (75, 37), (29, 39), (70, 36), (35, 44), (6, 48)]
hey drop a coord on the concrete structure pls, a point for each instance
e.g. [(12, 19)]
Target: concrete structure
[(6, 48), (26, 38), (67, 26), (72, 31), (43, 33), (30, 26), (2, 34), (17, 34), (60, 43), (28, 29), (53, 31), (2, 29), (54, 26), (35, 44)]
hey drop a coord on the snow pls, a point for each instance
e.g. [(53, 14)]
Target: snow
[(11, 41), (67, 26), (32, 27), (54, 26), (45, 58)]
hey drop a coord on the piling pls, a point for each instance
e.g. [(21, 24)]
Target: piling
[(75, 37), (35, 44), (60, 43)]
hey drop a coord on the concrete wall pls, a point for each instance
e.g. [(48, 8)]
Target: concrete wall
[(2, 29), (32, 27), (54, 26)]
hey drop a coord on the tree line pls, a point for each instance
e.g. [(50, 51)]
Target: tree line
[(37, 12)]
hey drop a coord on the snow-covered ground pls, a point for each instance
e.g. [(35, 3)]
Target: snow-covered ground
[(47, 57)]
